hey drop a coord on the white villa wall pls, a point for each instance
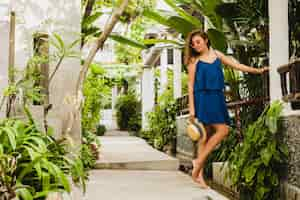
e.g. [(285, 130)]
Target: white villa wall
[(62, 17)]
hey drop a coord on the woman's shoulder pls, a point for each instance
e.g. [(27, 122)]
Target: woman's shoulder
[(193, 61), (218, 53)]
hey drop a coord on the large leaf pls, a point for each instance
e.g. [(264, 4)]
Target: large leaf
[(266, 155), (250, 171), (24, 193), (181, 25), (193, 20), (178, 23), (217, 39), (127, 41), (11, 134), (208, 8), (156, 41), (57, 174), (91, 19), (156, 16), (260, 191)]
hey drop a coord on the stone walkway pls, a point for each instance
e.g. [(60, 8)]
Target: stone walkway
[(130, 169)]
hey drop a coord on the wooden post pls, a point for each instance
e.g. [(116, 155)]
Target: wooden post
[(11, 63), (11, 55)]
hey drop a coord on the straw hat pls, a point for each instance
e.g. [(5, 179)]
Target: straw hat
[(196, 130)]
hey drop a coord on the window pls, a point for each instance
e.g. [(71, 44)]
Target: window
[(170, 56)]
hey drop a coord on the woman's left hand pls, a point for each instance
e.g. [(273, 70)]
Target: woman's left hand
[(263, 69)]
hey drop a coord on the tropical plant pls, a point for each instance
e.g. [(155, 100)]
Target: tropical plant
[(183, 22), (256, 163), (96, 91), (32, 163)]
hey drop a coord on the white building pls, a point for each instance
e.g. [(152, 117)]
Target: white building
[(45, 16)]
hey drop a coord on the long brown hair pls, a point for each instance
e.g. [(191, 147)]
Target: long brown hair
[(189, 52)]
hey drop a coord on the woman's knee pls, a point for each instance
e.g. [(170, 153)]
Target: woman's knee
[(222, 129)]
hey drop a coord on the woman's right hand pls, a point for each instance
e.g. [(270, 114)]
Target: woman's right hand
[(192, 116)]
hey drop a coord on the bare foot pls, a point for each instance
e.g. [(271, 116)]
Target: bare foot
[(201, 181), (197, 175)]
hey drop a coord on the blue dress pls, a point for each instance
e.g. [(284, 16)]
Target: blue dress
[(209, 100)]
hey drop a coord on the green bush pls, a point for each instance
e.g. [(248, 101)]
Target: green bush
[(128, 112), (135, 122), (96, 91), (256, 163), (162, 123), (100, 130)]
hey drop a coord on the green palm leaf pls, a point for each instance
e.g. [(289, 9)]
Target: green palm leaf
[(218, 39), (127, 41), (193, 20), (156, 41)]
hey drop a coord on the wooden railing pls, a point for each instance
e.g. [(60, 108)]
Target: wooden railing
[(290, 72)]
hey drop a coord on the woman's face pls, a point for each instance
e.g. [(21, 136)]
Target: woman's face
[(198, 43)]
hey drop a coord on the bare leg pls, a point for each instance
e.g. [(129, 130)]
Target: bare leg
[(222, 131), (198, 177)]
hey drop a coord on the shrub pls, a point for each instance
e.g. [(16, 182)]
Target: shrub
[(255, 164), (100, 130), (32, 164), (128, 111), (135, 122), (162, 123)]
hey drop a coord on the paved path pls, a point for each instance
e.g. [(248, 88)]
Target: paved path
[(130, 169), (129, 152)]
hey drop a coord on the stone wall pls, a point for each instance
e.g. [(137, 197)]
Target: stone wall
[(291, 126)]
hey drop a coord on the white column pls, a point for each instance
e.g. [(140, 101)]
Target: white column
[(163, 70), (279, 46), (114, 95), (177, 73), (147, 94)]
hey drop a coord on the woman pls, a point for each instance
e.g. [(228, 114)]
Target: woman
[(206, 97)]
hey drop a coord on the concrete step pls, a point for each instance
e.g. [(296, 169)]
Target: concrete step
[(145, 185), (132, 153)]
